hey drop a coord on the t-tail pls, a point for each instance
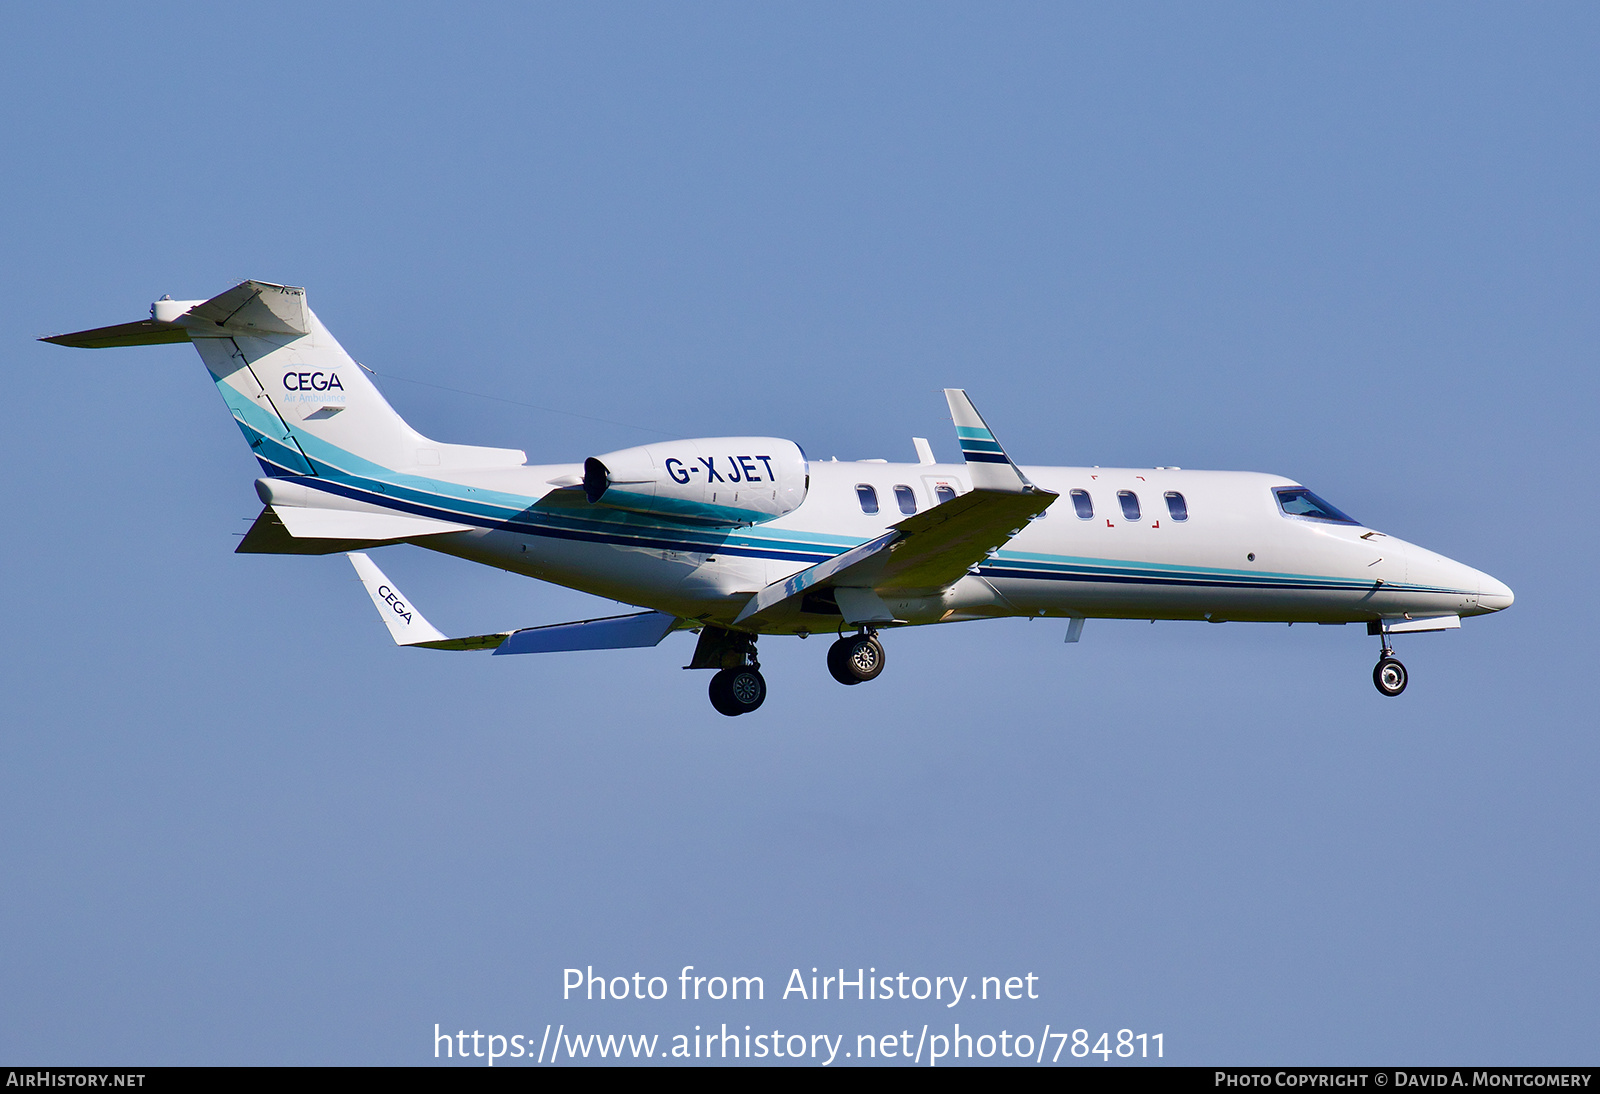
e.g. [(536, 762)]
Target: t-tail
[(304, 405)]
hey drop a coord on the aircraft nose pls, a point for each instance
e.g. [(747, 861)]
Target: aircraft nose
[(1493, 595)]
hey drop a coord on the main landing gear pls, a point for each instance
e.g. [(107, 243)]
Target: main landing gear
[(738, 691), (856, 658), (1390, 674), (738, 687)]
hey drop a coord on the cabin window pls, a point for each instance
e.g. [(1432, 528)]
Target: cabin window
[(1297, 501), (944, 493), (1177, 508), (1130, 504), (868, 498), (1082, 505), (905, 499)]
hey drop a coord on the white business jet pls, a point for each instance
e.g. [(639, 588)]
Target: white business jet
[(739, 537)]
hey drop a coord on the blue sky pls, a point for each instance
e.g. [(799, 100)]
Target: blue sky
[(1351, 244)]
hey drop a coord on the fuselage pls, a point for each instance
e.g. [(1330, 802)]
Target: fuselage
[(1141, 543), (740, 536)]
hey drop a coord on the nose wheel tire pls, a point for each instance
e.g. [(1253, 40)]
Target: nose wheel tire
[(856, 659), (738, 691), (1390, 676)]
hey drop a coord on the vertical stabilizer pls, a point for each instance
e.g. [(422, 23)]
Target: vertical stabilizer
[(302, 402)]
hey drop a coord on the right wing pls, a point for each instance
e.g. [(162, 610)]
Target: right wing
[(925, 552)]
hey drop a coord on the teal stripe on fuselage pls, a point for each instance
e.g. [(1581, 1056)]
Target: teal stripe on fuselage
[(1161, 569), (352, 475), (263, 431), (696, 511)]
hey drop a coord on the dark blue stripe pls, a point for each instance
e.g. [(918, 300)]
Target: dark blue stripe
[(985, 457), (1147, 579), (277, 470), (287, 456), (551, 527)]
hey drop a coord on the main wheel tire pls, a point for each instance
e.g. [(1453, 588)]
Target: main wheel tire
[(836, 656), (738, 691), (1390, 677), (856, 659)]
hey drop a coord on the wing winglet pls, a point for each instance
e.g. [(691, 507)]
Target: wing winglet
[(987, 462), (929, 550), (406, 625), (409, 628)]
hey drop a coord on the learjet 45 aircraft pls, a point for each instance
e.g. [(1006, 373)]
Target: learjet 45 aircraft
[(740, 537)]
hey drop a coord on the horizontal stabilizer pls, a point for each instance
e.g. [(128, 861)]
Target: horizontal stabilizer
[(305, 523), (145, 332), (250, 307), (254, 307), (617, 632), (268, 536)]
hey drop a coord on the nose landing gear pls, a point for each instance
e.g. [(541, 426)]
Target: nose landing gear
[(1389, 675), (856, 658)]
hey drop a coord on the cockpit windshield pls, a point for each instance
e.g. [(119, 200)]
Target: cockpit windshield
[(1297, 501)]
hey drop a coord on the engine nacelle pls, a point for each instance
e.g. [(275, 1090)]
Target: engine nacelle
[(714, 480)]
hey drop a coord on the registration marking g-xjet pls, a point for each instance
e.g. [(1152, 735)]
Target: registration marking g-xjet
[(738, 537)]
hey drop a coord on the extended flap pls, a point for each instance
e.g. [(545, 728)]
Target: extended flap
[(617, 632)]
